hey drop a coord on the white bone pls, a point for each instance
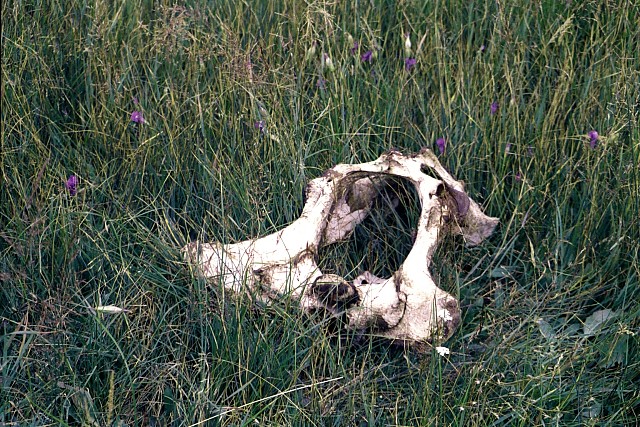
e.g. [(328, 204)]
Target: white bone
[(406, 307)]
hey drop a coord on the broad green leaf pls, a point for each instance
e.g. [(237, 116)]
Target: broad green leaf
[(595, 321), (500, 272), (546, 329), (619, 353), (593, 410)]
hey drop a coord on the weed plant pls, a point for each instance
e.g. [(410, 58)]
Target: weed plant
[(130, 128)]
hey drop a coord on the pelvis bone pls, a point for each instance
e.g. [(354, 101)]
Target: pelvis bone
[(406, 307)]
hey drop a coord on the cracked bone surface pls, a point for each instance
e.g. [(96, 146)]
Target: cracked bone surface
[(408, 306)]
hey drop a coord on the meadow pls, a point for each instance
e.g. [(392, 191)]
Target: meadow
[(130, 128)]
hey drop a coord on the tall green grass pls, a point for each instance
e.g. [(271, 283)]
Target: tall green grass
[(550, 333)]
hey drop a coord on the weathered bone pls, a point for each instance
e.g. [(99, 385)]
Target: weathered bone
[(408, 306)]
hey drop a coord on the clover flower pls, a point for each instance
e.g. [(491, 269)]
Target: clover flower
[(355, 47), (494, 107), (409, 63), (441, 144), (593, 138), (72, 184), (136, 117)]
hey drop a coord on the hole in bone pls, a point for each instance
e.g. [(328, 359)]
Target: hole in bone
[(381, 242), (427, 170)]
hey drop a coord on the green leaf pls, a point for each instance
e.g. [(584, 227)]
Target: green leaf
[(546, 329), (619, 353), (594, 322), (500, 272), (593, 410)]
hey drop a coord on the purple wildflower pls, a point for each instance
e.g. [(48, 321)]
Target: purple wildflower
[(494, 107), (135, 100), (441, 143), (136, 117), (483, 48), (593, 138), (409, 63), (518, 177), (367, 56), (354, 49), (259, 125), (72, 184)]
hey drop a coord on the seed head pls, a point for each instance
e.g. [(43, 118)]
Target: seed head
[(407, 44)]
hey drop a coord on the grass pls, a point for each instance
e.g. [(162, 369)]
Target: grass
[(537, 345)]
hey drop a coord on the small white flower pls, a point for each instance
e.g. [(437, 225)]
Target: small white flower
[(442, 351)]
